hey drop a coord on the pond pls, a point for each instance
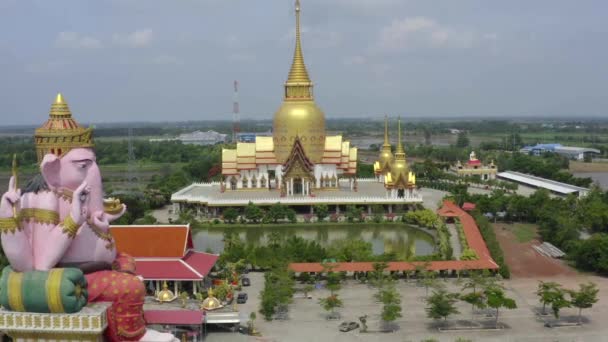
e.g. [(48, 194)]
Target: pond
[(405, 241)]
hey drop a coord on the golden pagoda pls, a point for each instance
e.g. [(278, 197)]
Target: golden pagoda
[(61, 133), (299, 124), (399, 178), (299, 115), (210, 303), (383, 164), (165, 295)]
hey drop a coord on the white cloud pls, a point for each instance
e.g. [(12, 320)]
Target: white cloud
[(137, 39), (424, 32), (75, 40)]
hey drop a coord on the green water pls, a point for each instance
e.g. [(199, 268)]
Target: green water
[(405, 241)]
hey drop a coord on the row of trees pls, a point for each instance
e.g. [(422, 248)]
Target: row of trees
[(556, 297)]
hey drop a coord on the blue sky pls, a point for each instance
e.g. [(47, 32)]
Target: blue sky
[(152, 60)]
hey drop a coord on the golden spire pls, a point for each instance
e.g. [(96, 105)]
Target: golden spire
[(60, 109), (386, 142), (400, 152), (298, 85)]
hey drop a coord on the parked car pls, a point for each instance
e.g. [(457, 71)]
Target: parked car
[(245, 281), (348, 326), (241, 298)]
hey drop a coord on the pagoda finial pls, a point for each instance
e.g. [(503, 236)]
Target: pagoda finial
[(298, 83), (59, 108), (59, 99), (386, 142), (400, 149)]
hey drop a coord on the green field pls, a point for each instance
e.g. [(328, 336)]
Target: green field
[(524, 232)]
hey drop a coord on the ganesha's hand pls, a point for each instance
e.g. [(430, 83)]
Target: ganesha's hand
[(100, 220), (9, 199), (114, 217), (80, 203)]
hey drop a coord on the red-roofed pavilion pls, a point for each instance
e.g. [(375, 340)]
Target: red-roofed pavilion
[(164, 253)]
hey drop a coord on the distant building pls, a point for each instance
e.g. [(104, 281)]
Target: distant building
[(197, 138), (249, 137), (555, 187), (474, 166), (571, 152)]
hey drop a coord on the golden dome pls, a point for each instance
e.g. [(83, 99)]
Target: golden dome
[(211, 303), (165, 295), (299, 115), (305, 120), (400, 175)]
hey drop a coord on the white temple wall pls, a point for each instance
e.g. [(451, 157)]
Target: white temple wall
[(322, 170)]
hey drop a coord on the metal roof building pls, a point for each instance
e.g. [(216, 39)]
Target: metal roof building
[(538, 182)]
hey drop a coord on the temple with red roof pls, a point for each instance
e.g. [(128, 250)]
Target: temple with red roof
[(164, 253), (473, 167)]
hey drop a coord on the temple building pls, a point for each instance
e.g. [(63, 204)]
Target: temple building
[(300, 165), (473, 167), (393, 171), (299, 157)]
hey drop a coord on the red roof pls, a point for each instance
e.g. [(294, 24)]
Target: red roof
[(201, 262), (174, 317), (194, 266), (474, 162), (152, 241), (449, 209), (169, 269)]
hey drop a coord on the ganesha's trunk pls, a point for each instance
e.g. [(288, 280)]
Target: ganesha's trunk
[(96, 195)]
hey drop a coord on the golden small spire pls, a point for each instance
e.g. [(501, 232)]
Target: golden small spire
[(386, 142), (59, 108), (298, 83), (400, 152)]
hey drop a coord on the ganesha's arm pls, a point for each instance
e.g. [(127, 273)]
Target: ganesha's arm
[(51, 241), (16, 244)]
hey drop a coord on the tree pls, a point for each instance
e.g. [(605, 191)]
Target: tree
[(276, 212), (391, 300), (496, 299), (476, 280), (353, 213), (333, 282), (330, 303), (476, 299), (584, 298), (291, 215), (547, 291), (462, 140), (559, 302), (250, 323), (322, 211), (230, 215), (307, 289), (428, 280), (253, 213), (378, 273), (441, 304)]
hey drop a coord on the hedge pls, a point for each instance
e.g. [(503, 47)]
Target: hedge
[(486, 230)]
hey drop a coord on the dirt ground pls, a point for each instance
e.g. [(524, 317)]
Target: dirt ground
[(524, 261), (577, 166)]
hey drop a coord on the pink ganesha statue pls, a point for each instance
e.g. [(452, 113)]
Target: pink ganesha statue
[(58, 220)]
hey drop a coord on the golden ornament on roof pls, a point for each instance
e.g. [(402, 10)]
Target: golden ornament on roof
[(210, 303), (165, 295)]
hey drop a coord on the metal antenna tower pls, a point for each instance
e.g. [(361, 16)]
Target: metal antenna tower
[(236, 119), (132, 178)]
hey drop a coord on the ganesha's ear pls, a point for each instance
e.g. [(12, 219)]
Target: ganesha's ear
[(50, 169)]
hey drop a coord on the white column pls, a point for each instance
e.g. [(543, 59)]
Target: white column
[(175, 288), (194, 287)]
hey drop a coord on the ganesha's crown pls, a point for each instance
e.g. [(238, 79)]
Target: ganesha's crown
[(61, 133)]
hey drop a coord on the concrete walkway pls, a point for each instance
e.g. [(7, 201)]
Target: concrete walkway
[(454, 240)]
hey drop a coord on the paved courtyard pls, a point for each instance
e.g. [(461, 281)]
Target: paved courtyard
[(307, 320)]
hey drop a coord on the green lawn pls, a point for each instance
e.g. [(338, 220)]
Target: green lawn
[(524, 232)]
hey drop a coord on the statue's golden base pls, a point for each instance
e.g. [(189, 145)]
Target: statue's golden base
[(87, 325)]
